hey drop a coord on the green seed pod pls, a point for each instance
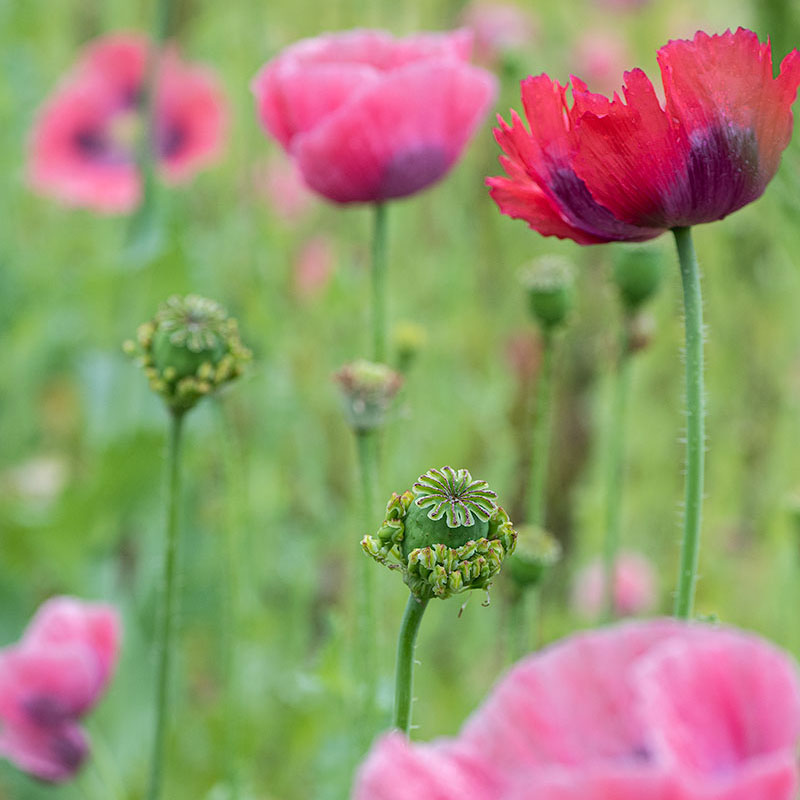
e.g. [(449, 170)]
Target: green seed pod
[(188, 350), (536, 552), (408, 339), (549, 282), (446, 534), (637, 273), (367, 393)]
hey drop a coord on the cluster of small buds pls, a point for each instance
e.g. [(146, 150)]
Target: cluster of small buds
[(549, 281), (446, 535), (188, 350), (536, 552), (368, 390)]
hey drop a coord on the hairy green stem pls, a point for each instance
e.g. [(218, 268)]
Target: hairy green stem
[(404, 676), (367, 628), (541, 434), (164, 642), (525, 621), (695, 422), (379, 284), (615, 469)]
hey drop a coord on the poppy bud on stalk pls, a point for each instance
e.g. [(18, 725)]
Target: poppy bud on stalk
[(550, 285), (446, 535), (367, 393), (188, 350), (535, 553), (637, 274)]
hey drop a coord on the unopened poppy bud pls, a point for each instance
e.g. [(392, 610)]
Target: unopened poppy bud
[(641, 328), (637, 274), (550, 285), (536, 552), (409, 339), (188, 350), (447, 534), (367, 393)]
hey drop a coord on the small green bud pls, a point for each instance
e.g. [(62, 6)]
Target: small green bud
[(367, 393), (446, 535), (550, 285), (408, 339), (188, 350), (637, 273), (536, 552)]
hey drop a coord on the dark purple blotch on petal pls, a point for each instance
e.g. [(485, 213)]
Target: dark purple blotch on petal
[(411, 170), (45, 710)]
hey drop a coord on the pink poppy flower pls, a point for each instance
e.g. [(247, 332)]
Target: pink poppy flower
[(278, 182), (50, 679), (367, 117), (83, 145), (661, 710), (499, 28), (635, 587)]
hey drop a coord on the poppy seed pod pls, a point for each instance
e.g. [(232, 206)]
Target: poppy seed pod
[(367, 393), (637, 273), (535, 553), (446, 534), (549, 282), (188, 350)]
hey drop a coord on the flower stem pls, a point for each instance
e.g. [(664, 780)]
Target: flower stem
[(525, 621), (404, 679), (695, 424), (367, 629), (615, 469), (164, 643), (541, 434), (379, 284)]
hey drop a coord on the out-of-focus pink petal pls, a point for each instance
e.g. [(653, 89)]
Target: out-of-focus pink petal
[(398, 770), (53, 753), (572, 704), (499, 28), (67, 621), (720, 703), (635, 587), (398, 136), (120, 59), (313, 266)]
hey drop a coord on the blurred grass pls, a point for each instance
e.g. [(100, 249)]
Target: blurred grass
[(68, 299)]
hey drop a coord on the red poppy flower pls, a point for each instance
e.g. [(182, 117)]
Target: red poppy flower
[(83, 144), (368, 117), (602, 170), (52, 678)]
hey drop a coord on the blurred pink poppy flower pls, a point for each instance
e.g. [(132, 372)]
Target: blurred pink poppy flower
[(635, 587), (50, 679), (367, 117), (661, 710), (83, 146), (313, 266), (278, 182), (499, 28), (600, 58)]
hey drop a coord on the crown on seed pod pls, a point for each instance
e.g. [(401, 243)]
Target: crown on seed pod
[(446, 535), (188, 350)]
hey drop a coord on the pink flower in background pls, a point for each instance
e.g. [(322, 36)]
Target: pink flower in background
[(50, 679), (661, 710), (278, 182), (84, 142), (600, 57), (635, 587), (367, 117), (623, 5), (499, 28), (313, 266)]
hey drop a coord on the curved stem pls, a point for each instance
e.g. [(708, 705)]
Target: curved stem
[(615, 469), (541, 434), (164, 643), (367, 629), (404, 678), (695, 423), (379, 284)]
